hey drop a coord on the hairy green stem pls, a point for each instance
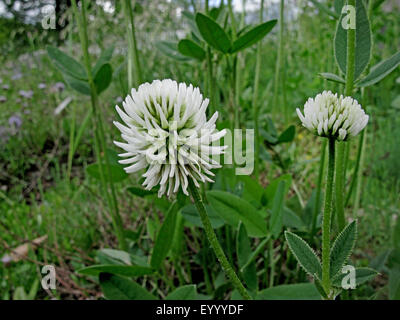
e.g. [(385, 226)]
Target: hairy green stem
[(212, 238), (339, 183), (326, 221), (255, 102)]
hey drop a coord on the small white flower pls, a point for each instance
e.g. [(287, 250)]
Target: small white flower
[(167, 133), (329, 116)]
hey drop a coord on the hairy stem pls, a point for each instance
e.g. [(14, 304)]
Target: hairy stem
[(326, 221), (212, 238)]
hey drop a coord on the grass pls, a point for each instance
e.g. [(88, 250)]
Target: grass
[(37, 199)]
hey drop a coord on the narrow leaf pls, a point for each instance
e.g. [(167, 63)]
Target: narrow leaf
[(66, 64), (362, 275), (187, 292), (363, 40), (117, 172), (380, 71), (164, 239), (342, 247), (233, 209), (79, 85), (170, 49), (332, 77), (299, 291), (140, 192), (277, 209), (191, 49), (253, 36), (306, 257), (120, 288), (123, 270), (212, 33), (103, 77), (322, 7), (287, 135)]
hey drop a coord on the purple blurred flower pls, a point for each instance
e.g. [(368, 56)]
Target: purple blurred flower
[(15, 120), (3, 99), (16, 76), (41, 85), (26, 94), (6, 87), (119, 99), (58, 87)]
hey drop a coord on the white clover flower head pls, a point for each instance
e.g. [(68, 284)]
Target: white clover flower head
[(328, 115), (167, 133)]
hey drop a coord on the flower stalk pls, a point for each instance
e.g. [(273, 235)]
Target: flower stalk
[(212, 238), (326, 221)]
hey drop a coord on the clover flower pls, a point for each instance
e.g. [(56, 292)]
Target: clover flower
[(167, 133), (329, 116)]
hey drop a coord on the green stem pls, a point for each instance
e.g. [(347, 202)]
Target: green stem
[(339, 185), (133, 55), (255, 102), (350, 59), (280, 54), (319, 187), (326, 221), (212, 238), (98, 127)]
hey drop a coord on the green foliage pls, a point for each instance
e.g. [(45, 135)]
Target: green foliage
[(187, 292), (212, 33), (191, 49), (128, 271), (305, 256), (299, 291), (119, 288), (252, 36), (363, 40), (380, 71), (163, 243), (342, 247), (233, 209)]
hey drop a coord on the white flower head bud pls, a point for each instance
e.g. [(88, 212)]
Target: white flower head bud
[(167, 134), (329, 116)]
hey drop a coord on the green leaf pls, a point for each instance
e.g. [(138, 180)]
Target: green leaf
[(338, 5), (342, 248), (362, 45), (113, 256), (306, 256), (104, 58), (79, 85), (252, 36), (117, 172), (140, 192), (103, 78), (164, 239), (123, 270), (380, 71), (291, 219), (332, 77), (287, 135), (362, 275), (322, 7), (394, 284), (269, 193), (212, 33), (120, 288), (187, 292), (191, 49), (66, 64), (191, 214), (243, 247), (170, 49), (243, 251), (299, 291), (233, 209), (396, 235), (277, 209)]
